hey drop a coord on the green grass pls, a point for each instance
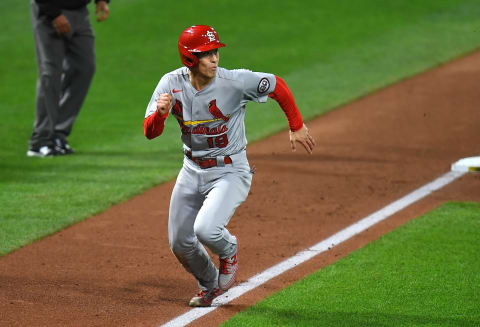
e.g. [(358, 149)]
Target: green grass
[(426, 273), (329, 52)]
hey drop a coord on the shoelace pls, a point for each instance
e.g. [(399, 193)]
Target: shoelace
[(226, 265), (208, 296)]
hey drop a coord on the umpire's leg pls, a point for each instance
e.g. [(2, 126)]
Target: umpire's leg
[(50, 52), (79, 67)]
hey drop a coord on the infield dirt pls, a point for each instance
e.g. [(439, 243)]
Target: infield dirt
[(116, 268)]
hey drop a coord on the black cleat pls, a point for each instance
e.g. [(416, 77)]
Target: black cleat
[(42, 151), (63, 147)]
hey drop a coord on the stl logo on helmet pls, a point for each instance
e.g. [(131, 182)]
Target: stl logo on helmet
[(211, 36)]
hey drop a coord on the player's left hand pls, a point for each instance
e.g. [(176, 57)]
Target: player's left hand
[(102, 11), (304, 138)]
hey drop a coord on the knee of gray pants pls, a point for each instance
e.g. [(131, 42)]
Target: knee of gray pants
[(208, 234), (181, 247), (183, 260), (217, 239), (48, 74), (84, 72), (83, 69), (177, 247)]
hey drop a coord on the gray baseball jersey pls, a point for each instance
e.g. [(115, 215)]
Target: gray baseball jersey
[(212, 120)]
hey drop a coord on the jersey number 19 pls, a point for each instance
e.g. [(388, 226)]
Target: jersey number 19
[(218, 142)]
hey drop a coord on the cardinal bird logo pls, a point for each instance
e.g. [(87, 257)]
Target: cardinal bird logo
[(177, 109), (177, 112), (215, 111)]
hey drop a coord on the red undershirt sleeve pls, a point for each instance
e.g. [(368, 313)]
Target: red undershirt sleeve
[(285, 99), (154, 124)]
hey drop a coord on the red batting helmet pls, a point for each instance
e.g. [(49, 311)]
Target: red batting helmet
[(198, 38)]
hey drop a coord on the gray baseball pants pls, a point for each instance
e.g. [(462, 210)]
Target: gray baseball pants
[(66, 65), (203, 202)]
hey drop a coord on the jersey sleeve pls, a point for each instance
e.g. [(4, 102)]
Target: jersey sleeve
[(154, 123), (162, 87), (285, 99), (257, 86)]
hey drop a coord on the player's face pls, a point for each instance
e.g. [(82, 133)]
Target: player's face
[(208, 63)]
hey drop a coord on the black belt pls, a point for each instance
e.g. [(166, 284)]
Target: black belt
[(205, 163)]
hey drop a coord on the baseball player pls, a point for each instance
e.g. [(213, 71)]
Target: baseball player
[(208, 103)]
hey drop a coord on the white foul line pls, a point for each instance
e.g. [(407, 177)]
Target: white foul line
[(318, 248)]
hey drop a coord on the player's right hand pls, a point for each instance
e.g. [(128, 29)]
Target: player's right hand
[(61, 25), (164, 102)]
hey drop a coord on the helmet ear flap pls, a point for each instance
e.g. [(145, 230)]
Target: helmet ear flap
[(188, 59)]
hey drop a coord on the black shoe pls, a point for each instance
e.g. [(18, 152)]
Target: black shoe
[(63, 147), (42, 151)]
